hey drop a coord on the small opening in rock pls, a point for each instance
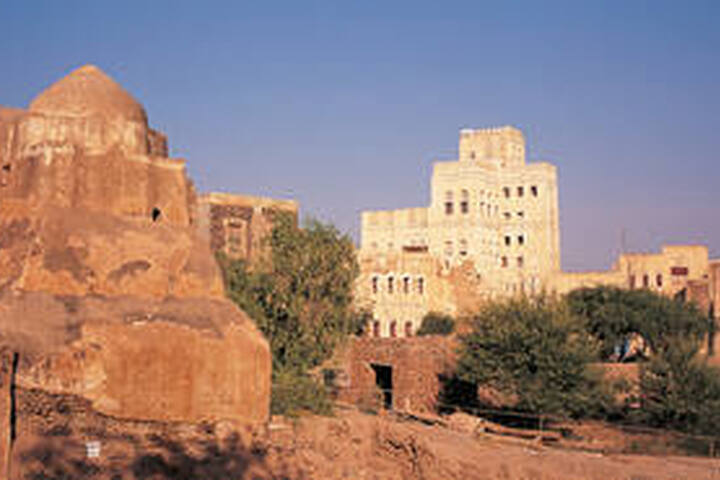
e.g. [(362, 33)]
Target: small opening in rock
[(156, 213), (7, 167)]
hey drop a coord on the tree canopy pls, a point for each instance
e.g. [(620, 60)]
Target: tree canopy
[(611, 314), (534, 351), (301, 299)]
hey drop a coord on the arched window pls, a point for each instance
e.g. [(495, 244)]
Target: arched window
[(408, 329), (375, 285), (504, 262), (658, 280), (646, 281), (464, 201), (393, 329), (391, 284), (406, 284), (448, 202), (376, 329), (534, 190), (421, 285), (521, 191), (463, 247), (448, 248), (506, 192)]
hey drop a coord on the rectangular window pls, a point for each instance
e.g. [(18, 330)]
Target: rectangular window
[(521, 240), (391, 284), (464, 207), (534, 191), (406, 285), (646, 281), (504, 262), (521, 191), (679, 271), (521, 214), (520, 262), (507, 215), (631, 281), (448, 208), (658, 280), (506, 192), (421, 285), (507, 240), (375, 285)]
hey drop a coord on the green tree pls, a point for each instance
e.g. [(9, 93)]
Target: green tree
[(679, 390), (611, 314), (535, 352), (434, 323), (301, 300)]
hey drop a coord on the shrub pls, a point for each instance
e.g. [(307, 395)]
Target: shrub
[(436, 324), (679, 390), (295, 392)]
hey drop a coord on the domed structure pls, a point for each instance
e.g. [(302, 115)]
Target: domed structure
[(88, 91)]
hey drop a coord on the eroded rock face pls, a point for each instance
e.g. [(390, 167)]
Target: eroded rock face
[(108, 290), (71, 251), (175, 360)]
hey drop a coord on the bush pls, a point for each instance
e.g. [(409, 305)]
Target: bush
[(436, 324), (295, 392), (679, 391), (536, 353)]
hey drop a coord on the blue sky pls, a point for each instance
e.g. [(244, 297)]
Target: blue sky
[(345, 105)]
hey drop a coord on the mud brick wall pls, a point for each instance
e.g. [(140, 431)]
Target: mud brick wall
[(417, 363)]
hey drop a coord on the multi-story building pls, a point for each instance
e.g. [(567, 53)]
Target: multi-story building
[(491, 230)]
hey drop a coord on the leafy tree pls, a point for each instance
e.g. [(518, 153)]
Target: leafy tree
[(535, 352), (301, 300), (679, 390), (434, 323), (612, 314)]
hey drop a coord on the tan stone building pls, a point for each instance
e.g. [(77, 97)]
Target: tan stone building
[(491, 230), (238, 225), (676, 268)]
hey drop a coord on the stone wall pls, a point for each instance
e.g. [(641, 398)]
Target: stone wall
[(417, 364), (239, 225)]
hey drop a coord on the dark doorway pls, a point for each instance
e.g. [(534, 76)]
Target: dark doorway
[(383, 380)]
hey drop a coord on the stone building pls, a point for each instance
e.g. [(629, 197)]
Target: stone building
[(674, 270), (238, 225), (491, 230)]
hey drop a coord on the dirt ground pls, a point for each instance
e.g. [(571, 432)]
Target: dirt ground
[(350, 445), (359, 446)]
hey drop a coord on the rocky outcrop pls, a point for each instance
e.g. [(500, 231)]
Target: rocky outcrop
[(110, 297), (171, 360), (71, 251)]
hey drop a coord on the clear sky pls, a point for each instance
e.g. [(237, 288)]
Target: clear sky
[(345, 105)]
